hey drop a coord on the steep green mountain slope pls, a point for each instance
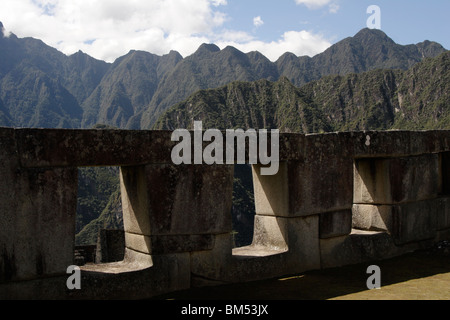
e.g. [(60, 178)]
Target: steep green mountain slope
[(259, 104), (95, 186), (380, 99), (210, 67), (367, 50), (109, 218), (42, 87), (127, 88)]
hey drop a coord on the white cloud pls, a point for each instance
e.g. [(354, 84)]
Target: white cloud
[(108, 29), (257, 21), (313, 4), (317, 4), (334, 8), (298, 42), (217, 3)]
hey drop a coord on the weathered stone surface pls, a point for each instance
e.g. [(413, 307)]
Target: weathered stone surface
[(110, 245), (174, 200), (177, 218), (322, 180), (442, 235), (9, 199), (334, 224), (266, 257), (399, 143), (271, 192), (270, 232), (396, 180), (303, 188), (408, 222), (141, 278), (303, 244), (57, 147), (38, 228), (135, 206), (164, 244), (359, 246), (445, 165), (372, 217), (138, 242), (443, 213), (189, 199), (213, 266), (415, 221)]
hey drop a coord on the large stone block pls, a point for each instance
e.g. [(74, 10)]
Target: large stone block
[(397, 180), (271, 232), (398, 143), (407, 222), (415, 221), (271, 192), (213, 266), (323, 182), (443, 214), (356, 248), (38, 223), (445, 165), (303, 244), (302, 188), (9, 198), (138, 242), (298, 236), (110, 245), (319, 179), (177, 200), (181, 243), (372, 217), (189, 199), (135, 202), (56, 147), (334, 224), (281, 246)]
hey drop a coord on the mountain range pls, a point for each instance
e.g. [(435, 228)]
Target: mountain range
[(42, 87), (381, 99)]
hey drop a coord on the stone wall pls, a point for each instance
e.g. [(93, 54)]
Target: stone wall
[(337, 199)]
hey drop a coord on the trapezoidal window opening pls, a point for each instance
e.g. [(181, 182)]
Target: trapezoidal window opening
[(243, 206), (270, 223), (99, 229), (383, 185)]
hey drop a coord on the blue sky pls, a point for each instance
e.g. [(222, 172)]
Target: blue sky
[(405, 21), (108, 29)]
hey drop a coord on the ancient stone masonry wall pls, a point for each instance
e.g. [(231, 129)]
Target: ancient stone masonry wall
[(337, 199)]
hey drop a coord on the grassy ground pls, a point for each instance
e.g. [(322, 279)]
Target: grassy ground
[(422, 275)]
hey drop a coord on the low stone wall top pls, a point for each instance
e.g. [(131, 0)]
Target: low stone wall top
[(76, 148)]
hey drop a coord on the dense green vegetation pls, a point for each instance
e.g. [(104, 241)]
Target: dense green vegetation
[(416, 98), (99, 204)]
